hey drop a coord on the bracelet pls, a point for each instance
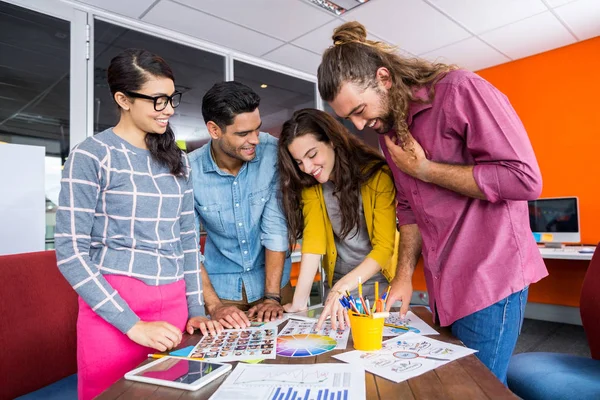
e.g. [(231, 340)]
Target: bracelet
[(273, 297)]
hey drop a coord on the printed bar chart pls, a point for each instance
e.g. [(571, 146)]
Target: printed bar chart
[(289, 393)]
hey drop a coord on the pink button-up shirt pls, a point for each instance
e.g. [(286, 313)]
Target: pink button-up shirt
[(476, 252)]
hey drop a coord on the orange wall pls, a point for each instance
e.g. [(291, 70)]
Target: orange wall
[(557, 96)]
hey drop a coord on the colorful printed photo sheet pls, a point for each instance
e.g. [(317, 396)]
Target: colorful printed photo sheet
[(237, 345)]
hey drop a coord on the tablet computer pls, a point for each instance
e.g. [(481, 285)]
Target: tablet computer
[(311, 314), (180, 373)]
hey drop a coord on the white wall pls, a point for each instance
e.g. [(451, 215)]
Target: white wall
[(22, 199)]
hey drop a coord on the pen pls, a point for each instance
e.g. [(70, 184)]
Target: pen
[(158, 355), (359, 287), (387, 293), (404, 328), (376, 291)]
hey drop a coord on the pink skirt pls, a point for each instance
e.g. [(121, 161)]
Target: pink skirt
[(104, 354)]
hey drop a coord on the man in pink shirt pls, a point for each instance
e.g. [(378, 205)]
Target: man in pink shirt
[(464, 169)]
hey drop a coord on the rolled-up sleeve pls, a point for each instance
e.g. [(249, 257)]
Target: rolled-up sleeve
[(273, 223), (505, 164)]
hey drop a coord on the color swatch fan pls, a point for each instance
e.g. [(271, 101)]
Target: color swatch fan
[(304, 345)]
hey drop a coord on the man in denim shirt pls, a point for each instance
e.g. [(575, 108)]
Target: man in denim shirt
[(235, 198)]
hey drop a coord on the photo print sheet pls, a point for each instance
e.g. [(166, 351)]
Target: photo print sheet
[(237, 345)]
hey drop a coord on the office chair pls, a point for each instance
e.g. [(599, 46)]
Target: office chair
[(548, 376)]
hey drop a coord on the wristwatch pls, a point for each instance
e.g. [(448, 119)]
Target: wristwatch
[(274, 297)]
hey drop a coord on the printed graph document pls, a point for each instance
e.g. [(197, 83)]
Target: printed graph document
[(296, 327), (288, 381), (406, 356), (414, 324)]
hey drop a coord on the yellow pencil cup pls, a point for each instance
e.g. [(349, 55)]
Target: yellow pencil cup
[(367, 332)]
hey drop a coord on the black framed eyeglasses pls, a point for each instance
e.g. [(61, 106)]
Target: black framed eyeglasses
[(160, 102)]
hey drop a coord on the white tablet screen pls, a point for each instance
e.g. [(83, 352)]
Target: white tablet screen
[(179, 370)]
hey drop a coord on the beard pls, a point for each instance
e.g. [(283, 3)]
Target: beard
[(387, 118)]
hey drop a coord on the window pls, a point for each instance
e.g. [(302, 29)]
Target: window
[(34, 87), (280, 94)]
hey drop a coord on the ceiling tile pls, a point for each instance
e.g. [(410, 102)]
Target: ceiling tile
[(485, 15), (319, 39), (410, 24), (285, 20), (129, 8), (192, 22), (556, 3), (295, 57), (472, 54), (583, 17), (530, 36)]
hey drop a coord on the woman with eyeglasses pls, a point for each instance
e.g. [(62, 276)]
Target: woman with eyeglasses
[(125, 230)]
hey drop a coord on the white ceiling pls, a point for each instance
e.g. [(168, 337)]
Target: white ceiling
[(474, 34)]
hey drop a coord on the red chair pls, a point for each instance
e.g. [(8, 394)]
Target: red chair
[(38, 337), (202, 241)]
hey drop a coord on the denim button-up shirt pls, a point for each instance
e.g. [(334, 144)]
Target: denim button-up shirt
[(242, 217)]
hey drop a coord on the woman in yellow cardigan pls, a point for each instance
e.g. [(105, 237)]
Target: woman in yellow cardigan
[(339, 197)]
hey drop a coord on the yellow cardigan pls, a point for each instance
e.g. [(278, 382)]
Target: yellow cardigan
[(379, 204)]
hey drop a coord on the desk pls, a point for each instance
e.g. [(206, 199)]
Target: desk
[(565, 253), (465, 378)]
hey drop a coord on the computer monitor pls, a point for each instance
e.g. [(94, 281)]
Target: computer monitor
[(555, 221)]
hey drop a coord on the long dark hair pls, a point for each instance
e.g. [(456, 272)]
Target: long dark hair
[(128, 71), (354, 58), (355, 163)]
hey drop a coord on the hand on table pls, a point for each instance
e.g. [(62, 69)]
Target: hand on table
[(268, 310), (206, 326), (159, 335), (401, 290), (334, 309), (230, 317)]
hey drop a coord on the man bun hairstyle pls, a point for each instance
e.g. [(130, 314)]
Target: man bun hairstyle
[(355, 59)]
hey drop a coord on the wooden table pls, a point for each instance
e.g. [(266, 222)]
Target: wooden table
[(465, 378)]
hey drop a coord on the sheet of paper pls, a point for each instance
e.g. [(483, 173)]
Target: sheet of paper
[(298, 327), (237, 345), (414, 323), (312, 313), (289, 381), (406, 356)]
